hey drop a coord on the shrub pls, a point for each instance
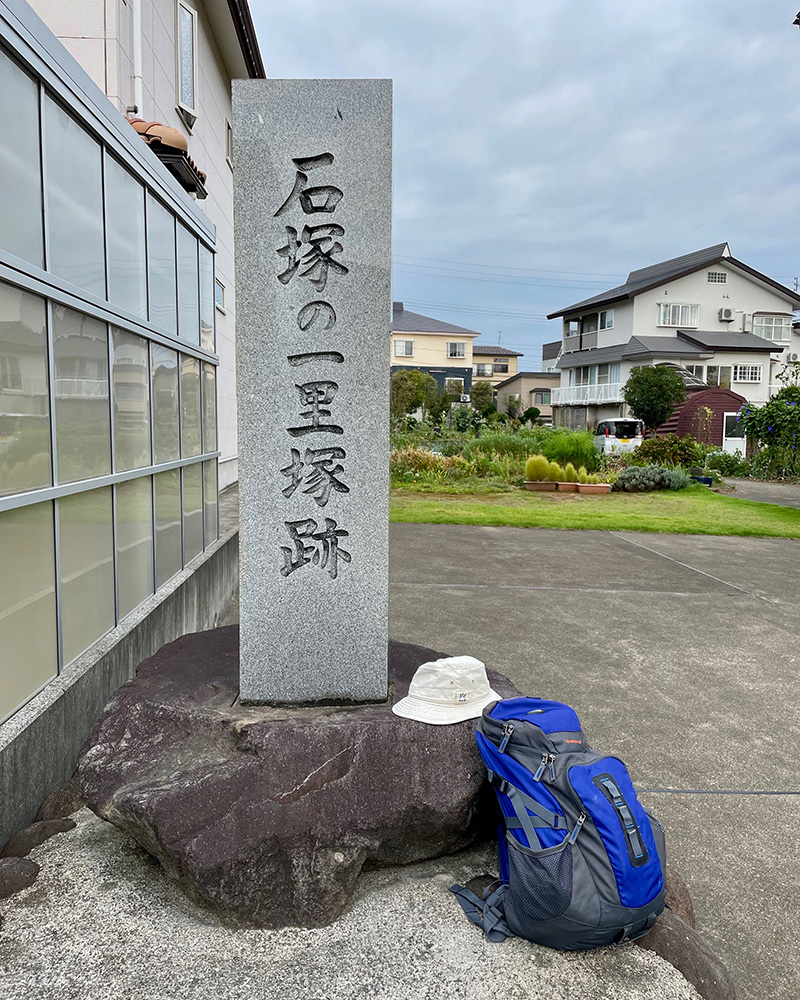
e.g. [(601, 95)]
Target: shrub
[(727, 464), (570, 475), (583, 476), (670, 449), (555, 473), (644, 478), (776, 427), (562, 446), (536, 468)]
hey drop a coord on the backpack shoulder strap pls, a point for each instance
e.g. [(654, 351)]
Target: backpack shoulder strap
[(486, 913)]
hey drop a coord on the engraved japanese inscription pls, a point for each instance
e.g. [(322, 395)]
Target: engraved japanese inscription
[(312, 194)]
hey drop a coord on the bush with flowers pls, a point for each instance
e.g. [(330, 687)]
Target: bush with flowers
[(775, 426)]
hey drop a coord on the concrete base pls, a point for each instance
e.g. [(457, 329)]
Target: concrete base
[(39, 745)]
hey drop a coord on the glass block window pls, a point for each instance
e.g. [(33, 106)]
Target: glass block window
[(717, 277), (87, 569), (21, 230), (74, 188), (169, 554), (127, 267), (166, 427), (83, 420), (190, 407), (24, 395), (134, 542), (130, 380), (192, 512), (28, 636)]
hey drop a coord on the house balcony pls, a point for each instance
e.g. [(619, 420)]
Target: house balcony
[(587, 395)]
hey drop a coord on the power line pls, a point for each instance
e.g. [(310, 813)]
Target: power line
[(525, 282), (509, 267), (477, 310)]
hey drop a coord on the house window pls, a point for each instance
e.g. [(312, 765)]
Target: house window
[(773, 327), (603, 374), (454, 385), (500, 366), (678, 314), (219, 295), (747, 373), (541, 398), (717, 277), (482, 370), (719, 375), (187, 63), (10, 373), (607, 320), (456, 349), (587, 375), (404, 348), (696, 370)]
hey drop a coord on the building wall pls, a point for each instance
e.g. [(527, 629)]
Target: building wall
[(99, 34), (525, 386), (495, 378), (430, 350)]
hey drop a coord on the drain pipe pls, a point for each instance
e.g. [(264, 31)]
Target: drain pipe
[(138, 98)]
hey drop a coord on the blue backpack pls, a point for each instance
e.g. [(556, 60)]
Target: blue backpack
[(581, 862)]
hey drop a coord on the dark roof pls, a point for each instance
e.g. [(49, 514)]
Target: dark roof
[(246, 33), (404, 321), (513, 378), (637, 347), (724, 341), (495, 349), (646, 278), (550, 351)]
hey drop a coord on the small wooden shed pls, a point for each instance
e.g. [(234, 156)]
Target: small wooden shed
[(720, 401)]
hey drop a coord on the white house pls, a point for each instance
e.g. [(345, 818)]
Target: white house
[(707, 312)]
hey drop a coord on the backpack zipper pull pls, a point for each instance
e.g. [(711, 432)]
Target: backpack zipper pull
[(577, 830), (542, 766), (552, 759), (508, 729)]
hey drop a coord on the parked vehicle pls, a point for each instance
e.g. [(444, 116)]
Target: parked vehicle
[(615, 436)]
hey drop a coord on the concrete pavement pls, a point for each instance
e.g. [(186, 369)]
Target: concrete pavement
[(783, 494), (681, 656)]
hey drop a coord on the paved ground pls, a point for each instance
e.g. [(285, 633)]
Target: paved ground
[(783, 494), (681, 655)]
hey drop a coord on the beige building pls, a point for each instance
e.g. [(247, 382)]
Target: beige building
[(533, 389), (172, 61), (494, 364)]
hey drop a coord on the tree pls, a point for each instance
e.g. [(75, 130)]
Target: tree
[(482, 396), (404, 393), (532, 414), (653, 392), (511, 403), (776, 427)]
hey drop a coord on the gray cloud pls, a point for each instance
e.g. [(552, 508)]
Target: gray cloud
[(565, 136)]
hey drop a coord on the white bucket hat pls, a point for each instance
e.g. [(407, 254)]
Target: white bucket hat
[(441, 692)]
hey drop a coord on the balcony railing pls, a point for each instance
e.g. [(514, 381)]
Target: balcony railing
[(611, 392)]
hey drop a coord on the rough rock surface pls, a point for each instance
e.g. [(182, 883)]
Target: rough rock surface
[(678, 897), (63, 802), (674, 940), (16, 874), (269, 814), (22, 843)]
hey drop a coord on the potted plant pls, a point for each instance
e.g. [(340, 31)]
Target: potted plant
[(537, 474), (569, 484), (593, 485)]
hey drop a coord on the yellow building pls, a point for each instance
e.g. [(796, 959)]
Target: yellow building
[(446, 351)]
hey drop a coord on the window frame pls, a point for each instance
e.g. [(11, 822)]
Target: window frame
[(450, 344), (716, 278), (219, 305), (406, 353), (694, 317), (187, 112), (786, 325), (606, 319), (229, 143), (738, 375)]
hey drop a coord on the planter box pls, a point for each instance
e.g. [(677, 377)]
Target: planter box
[(594, 487), (539, 485), (567, 487)]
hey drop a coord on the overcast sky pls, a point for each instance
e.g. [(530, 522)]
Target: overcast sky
[(544, 148)]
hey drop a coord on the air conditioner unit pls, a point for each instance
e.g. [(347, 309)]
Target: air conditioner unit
[(725, 315), (464, 397), (794, 357)]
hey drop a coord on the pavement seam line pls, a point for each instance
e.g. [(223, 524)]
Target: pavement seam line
[(710, 791), (580, 590), (693, 569)]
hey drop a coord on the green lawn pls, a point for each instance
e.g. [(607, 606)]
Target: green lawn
[(693, 511)]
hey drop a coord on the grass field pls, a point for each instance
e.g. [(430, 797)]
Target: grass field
[(693, 511)]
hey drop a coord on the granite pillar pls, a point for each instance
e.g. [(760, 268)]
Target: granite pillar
[(312, 196)]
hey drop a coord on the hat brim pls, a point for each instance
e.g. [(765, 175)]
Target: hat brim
[(441, 715)]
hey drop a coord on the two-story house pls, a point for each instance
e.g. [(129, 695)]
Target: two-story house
[(494, 364), (715, 317)]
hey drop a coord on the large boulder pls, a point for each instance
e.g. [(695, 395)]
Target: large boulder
[(268, 814)]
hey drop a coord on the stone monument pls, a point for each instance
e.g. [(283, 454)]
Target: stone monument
[(312, 196)]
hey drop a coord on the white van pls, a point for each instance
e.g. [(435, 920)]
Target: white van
[(615, 436)]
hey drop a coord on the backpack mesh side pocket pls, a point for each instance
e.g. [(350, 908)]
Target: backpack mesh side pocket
[(540, 884)]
